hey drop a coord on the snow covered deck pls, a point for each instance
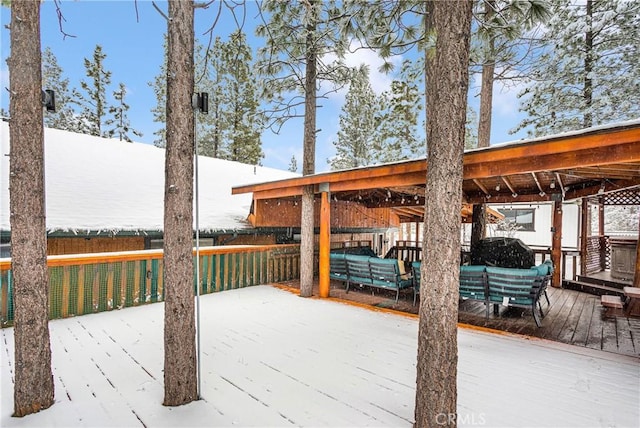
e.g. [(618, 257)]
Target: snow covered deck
[(272, 358)]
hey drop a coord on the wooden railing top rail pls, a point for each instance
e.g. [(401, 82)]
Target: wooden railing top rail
[(124, 256)]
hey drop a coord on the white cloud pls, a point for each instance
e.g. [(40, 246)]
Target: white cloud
[(358, 55)]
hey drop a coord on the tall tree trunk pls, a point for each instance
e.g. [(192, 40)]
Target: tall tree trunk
[(180, 377), (33, 389), (486, 89), (446, 93), (309, 157), (588, 67), (479, 225)]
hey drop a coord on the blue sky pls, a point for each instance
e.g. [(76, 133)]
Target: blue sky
[(134, 53)]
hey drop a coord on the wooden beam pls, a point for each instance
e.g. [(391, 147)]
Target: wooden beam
[(556, 244), (584, 234), (559, 154), (535, 178), (324, 244), (409, 169), (636, 276), (481, 187), (609, 186), (508, 199), (556, 146), (562, 189), (509, 186), (629, 152)]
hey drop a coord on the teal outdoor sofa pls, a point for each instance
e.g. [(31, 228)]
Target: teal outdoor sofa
[(503, 286), (368, 271)]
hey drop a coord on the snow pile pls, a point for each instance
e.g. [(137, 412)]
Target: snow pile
[(104, 185)]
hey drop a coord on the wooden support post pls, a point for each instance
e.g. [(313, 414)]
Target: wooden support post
[(601, 216), (584, 235), (325, 239), (478, 224), (556, 244), (636, 276)]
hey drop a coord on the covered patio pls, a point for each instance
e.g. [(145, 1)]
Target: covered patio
[(577, 165), (270, 358)]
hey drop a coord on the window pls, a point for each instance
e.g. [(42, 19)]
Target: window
[(523, 220)]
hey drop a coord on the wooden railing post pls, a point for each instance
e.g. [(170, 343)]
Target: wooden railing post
[(325, 241), (556, 244)]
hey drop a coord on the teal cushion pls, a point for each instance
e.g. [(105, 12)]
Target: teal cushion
[(542, 270), (473, 268), (513, 271)]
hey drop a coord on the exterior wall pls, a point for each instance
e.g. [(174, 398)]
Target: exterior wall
[(285, 213), (74, 245), (541, 237), (254, 239)]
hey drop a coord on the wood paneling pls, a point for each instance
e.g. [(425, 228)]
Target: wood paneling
[(343, 215), (56, 246)]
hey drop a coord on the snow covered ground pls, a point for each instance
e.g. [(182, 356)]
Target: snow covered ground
[(271, 358)]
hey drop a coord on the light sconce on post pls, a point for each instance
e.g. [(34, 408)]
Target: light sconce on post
[(49, 100), (200, 100)]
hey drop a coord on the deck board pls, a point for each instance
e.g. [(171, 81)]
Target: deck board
[(572, 317), (270, 358)]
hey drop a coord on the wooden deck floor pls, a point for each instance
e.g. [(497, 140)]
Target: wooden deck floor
[(270, 358), (572, 317)]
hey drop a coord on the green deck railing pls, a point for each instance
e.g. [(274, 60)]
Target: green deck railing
[(90, 283)]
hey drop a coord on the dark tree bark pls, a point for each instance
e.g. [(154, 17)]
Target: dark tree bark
[(486, 89), (309, 159), (180, 377), (588, 67), (446, 93), (478, 223), (33, 389), (479, 226)]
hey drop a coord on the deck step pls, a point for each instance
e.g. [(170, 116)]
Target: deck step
[(601, 281), (592, 288)]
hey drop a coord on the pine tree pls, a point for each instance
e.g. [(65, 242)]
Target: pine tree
[(243, 121), (121, 125), (298, 34), (93, 102), (293, 164), (33, 383), (503, 49), (180, 365), (64, 116), (357, 124), (210, 80), (203, 83), (446, 93), (159, 112), (397, 120), (589, 74)]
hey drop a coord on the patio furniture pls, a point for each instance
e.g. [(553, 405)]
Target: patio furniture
[(629, 306), (473, 284), (515, 287), (415, 277), (338, 266), (372, 272)]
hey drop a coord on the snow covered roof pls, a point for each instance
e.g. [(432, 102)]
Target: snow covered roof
[(103, 185)]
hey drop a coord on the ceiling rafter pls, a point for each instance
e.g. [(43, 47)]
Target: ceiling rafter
[(506, 181), (535, 178)]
